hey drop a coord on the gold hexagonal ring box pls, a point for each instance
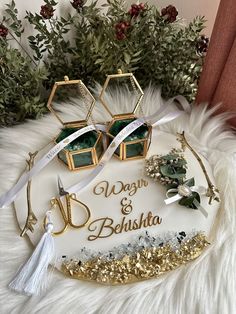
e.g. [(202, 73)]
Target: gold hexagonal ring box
[(86, 150), (135, 146)]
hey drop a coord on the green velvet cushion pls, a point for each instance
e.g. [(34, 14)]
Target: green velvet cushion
[(118, 125), (87, 140)]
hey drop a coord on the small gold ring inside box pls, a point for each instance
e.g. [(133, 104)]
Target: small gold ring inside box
[(134, 146), (86, 150)]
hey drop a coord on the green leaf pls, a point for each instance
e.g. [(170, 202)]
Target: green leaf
[(170, 157), (127, 57), (171, 172), (190, 182), (188, 201), (31, 38)]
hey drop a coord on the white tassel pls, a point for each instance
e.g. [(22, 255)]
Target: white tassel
[(31, 279)]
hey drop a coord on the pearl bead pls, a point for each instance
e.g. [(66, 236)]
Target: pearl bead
[(184, 190)]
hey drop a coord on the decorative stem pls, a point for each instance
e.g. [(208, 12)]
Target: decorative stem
[(212, 191), (18, 42), (31, 218)]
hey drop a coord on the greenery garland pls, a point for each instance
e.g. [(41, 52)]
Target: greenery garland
[(91, 43)]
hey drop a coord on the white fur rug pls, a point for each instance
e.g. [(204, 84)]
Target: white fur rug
[(207, 285)]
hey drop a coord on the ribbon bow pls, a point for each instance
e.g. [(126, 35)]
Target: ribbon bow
[(185, 191)]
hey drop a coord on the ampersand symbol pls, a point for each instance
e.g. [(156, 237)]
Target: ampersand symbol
[(126, 206)]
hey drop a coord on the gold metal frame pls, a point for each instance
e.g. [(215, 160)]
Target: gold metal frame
[(122, 146), (70, 82), (75, 124), (69, 156), (144, 141), (115, 76)]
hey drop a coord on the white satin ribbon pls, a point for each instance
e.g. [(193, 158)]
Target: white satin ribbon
[(7, 198), (154, 119), (180, 194)]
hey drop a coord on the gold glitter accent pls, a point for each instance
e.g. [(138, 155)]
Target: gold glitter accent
[(145, 264)]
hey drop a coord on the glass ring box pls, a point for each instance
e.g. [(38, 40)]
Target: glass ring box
[(134, 146), (86, 150)]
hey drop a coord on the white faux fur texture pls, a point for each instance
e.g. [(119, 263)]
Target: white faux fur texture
[(205, 286)]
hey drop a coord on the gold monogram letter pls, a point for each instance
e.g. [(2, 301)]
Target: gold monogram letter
[(101, 225)]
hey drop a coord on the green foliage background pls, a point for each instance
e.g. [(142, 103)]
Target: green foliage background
[(85, 46)]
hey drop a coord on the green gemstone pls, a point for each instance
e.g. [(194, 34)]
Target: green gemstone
[(139, 133)]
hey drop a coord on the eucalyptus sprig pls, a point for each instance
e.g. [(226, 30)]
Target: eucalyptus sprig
[(169, 169)]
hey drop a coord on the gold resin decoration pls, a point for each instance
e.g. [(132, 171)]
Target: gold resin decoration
[(145, 264), (88, 98)]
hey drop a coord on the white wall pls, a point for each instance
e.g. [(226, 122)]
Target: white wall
[(187, 8)]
